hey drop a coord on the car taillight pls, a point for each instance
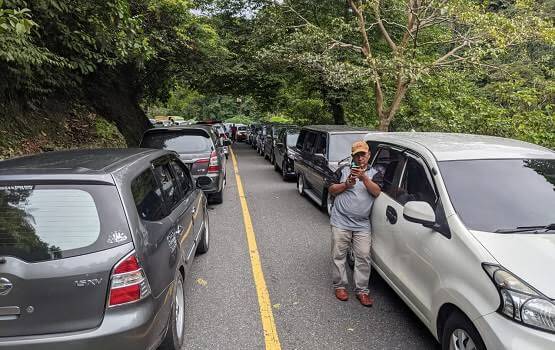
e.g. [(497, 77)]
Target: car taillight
[(129, 283), (214, 165)]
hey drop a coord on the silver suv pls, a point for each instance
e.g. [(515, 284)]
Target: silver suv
[(94, 249)]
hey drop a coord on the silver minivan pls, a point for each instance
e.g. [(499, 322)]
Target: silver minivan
[(94, 249), (464, 232)]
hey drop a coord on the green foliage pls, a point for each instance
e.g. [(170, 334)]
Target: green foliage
[(240, 119)]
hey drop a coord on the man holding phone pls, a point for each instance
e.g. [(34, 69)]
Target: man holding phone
[(350, 222)]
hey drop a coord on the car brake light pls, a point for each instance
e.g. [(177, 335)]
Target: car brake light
[(129, 283), (214, 165)]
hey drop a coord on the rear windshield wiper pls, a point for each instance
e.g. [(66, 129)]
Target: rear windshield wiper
[(534, 229)]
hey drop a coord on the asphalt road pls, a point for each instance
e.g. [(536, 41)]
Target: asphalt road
[(293, 238)]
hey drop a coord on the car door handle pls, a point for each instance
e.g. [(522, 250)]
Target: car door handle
[(391, 214)]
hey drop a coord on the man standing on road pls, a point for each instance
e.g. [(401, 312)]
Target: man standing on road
[(350, 223), (234, 133)]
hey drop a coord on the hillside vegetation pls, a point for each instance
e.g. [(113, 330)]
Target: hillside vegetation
[(72, 72)]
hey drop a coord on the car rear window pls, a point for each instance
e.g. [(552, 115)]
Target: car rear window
[(242, 128), (179, 141), (48, 222)]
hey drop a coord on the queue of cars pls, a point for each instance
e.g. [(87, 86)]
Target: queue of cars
[(117, 228), (463, 231)]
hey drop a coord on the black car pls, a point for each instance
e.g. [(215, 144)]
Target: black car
[(319, 151), (261, 138), (271, 140), (199, 147), (99, 242), (284, 151)]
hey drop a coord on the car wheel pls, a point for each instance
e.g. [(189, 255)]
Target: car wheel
[(460, 334), (284, 175), (205, 240), (176, 325), (217, 197), (329, 204), (300, 184)]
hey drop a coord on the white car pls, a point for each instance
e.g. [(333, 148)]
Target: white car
[(464, 232)]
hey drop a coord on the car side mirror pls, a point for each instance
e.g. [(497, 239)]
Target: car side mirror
[(420, 213), (227, 143), (197, 184)]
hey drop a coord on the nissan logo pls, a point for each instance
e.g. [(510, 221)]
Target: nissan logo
[(5, 286)]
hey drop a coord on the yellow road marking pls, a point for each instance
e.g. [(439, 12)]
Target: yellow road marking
[(268, 325)]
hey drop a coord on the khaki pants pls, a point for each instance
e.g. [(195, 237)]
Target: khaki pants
[(340, 243)]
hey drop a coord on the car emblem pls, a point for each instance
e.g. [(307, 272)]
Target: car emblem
[(5, 286)]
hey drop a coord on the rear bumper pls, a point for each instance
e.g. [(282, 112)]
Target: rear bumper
[(214, 182), (136, 326)]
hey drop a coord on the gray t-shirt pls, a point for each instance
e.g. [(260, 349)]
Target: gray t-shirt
[(351, 208)]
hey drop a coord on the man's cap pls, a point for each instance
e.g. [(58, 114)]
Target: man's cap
[(359, 146)]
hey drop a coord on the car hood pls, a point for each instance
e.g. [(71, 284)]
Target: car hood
[(529, 256)]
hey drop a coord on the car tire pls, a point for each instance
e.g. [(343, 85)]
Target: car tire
[(300, 184), (328, 203), (460, 334), (284, 175), (218, 197), (204, 243), (175, 334)]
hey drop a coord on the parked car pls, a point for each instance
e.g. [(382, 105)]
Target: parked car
[(271, 140), (241, 132), (284, 153), (319, 150), (261, 138), (94, 249), (464, 232), (199, 148)]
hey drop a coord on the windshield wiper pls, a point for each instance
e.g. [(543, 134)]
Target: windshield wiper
[(534, 229)]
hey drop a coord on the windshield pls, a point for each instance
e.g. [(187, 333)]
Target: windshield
[(292, 139), (340, 145), (490, 195), (178, 142)]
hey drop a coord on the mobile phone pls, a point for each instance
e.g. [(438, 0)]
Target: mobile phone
[(354, 165)]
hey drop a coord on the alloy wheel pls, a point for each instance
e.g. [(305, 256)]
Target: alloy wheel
[(300, 184), (179, 309), (461, 340)]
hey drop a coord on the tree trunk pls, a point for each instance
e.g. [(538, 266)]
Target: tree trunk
[(336, 109)]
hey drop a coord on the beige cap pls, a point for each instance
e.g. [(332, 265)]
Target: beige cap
[(359, 146)]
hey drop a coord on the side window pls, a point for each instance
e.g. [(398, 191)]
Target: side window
[(182, 175), (300, 140), (416, 185), (148, 197), (388, 162), (321, 144), (373, 149), (309, 142), (169, 185)]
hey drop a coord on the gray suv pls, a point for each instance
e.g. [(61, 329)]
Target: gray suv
[(94, 249), (200, 149)]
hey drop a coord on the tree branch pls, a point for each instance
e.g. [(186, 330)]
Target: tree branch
[(450, 53), (382, 27)]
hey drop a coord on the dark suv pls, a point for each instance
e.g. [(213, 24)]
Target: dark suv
[(94, 249), (319, 151), (200, 149), (271, 140), (284, 151)]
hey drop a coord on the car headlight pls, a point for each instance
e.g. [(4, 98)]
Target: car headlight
[(520, 302)]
